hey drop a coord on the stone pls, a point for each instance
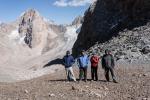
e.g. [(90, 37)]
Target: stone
[(146, 50), (73, 88), (51, 95), (26, 91)]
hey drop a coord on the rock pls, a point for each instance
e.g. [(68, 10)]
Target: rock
[(134, 50), (119, 55), (77, 20), (26, 91), (73, 88), (134, 74), (105, 88), (145, 99), (145, 74), (146, 50), (98, 95), (87, 86), (51, 95)]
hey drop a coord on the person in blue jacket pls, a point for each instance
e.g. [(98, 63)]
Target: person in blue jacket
[(68, 61), (83, 61)]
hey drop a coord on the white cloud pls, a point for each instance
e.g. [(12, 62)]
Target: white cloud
[(61, 3), (74, 3)]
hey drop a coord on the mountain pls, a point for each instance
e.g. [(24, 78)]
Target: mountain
[(121, 26), (30, 42), (78, 20)]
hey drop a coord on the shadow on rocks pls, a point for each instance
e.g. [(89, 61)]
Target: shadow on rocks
[(54, 62)]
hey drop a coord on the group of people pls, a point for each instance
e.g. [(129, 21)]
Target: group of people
[(84, 61)]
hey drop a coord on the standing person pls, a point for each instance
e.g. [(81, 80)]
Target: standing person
[(68, 61), (83, 62), (108, 65), (94, 66)]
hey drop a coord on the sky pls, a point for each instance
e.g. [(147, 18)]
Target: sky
[(60, 11)]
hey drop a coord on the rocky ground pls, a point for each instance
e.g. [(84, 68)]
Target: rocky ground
[(134, 84)]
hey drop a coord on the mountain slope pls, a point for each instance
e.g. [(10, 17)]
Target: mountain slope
[(106, 18), (30, 42)]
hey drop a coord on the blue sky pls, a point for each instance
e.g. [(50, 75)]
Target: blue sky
[(60, 11)]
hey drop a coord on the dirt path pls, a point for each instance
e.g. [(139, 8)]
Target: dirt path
[(134, 84)]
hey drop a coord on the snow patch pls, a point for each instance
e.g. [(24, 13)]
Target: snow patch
[(22, 14), (49, 21), (14, 35), (71, 36), (72, 31)]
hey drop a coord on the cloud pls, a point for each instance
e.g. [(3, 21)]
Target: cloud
[(74, 3), (61, 3)]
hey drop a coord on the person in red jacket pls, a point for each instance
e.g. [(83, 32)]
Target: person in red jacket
[(94, 66)]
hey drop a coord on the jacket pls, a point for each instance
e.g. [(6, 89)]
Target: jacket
[(83, 61), (108, 61), (68, 61), (94, 61)]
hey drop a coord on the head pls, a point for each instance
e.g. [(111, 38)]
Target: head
[(106, 51), (83, 52), (109, 52), (68, 53)]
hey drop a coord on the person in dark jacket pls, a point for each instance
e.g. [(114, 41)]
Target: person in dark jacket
[(94, 66), (83, 61), (108, 65), (68, 61)]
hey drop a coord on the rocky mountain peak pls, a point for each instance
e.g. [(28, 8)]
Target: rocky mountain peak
[(78, 20), (30, 13), (30, 30)]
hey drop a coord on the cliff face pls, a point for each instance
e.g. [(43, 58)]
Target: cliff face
[(35, 34), (106, 18)]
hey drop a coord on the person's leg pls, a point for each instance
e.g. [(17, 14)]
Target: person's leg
[(107, 74), (113, 75), (96, 75), (92, 73), (72, 74), (80, 74), (67, 74), (85, 74)]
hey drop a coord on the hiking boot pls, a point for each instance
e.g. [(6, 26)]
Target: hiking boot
[(92, 80), (115, 81), (74, 80), (107, 80)]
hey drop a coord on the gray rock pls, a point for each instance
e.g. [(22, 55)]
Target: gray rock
[(146, 50)]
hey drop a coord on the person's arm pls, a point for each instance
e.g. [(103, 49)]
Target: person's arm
[(113, 61), (78, 62), (96, 60), (72, 60), (87, 60), (91, 59)]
